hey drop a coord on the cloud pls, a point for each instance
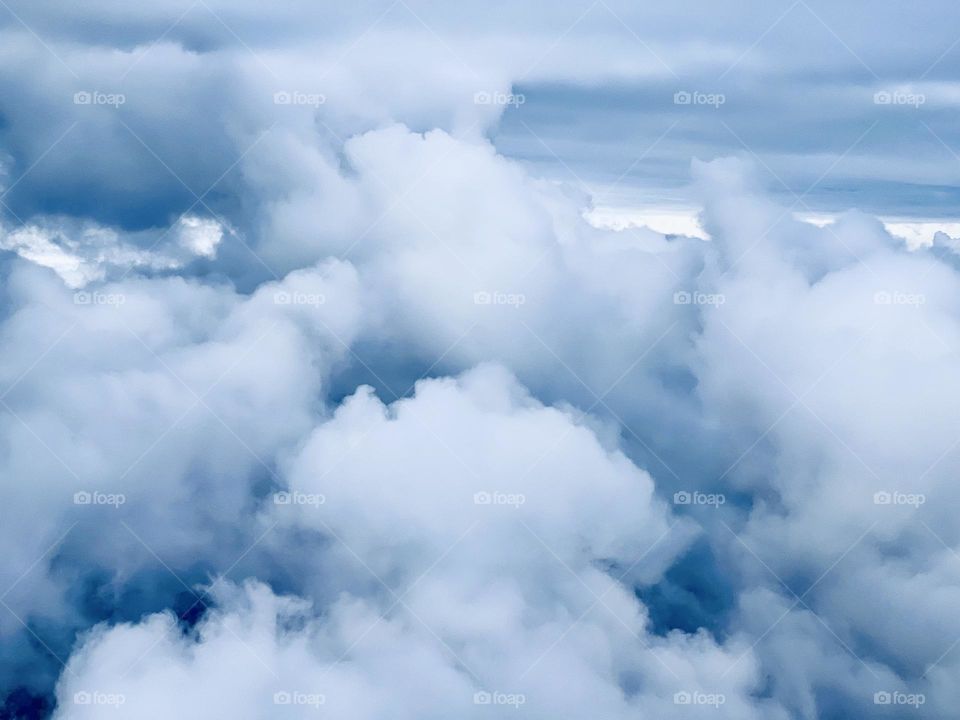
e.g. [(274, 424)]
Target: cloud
[(455, 590), (141, 388), (317, 381), (80, 255), (357, 663), (497, 519)]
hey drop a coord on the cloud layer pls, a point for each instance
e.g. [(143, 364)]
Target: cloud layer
[(319, 392)]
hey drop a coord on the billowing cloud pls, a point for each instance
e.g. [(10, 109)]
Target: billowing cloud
[(336, 378), (444, 563)]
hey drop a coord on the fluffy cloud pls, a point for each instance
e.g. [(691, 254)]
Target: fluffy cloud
[(83, 255), (392, 500), (132, 391), (483, 545), (263, 655), (310, 388)]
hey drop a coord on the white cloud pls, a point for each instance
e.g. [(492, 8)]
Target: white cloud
[(582, 370), (81, 255)]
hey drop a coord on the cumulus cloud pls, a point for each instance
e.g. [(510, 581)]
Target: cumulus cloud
[(468, 580), (140, 387), (319, 391), (355, 662)]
